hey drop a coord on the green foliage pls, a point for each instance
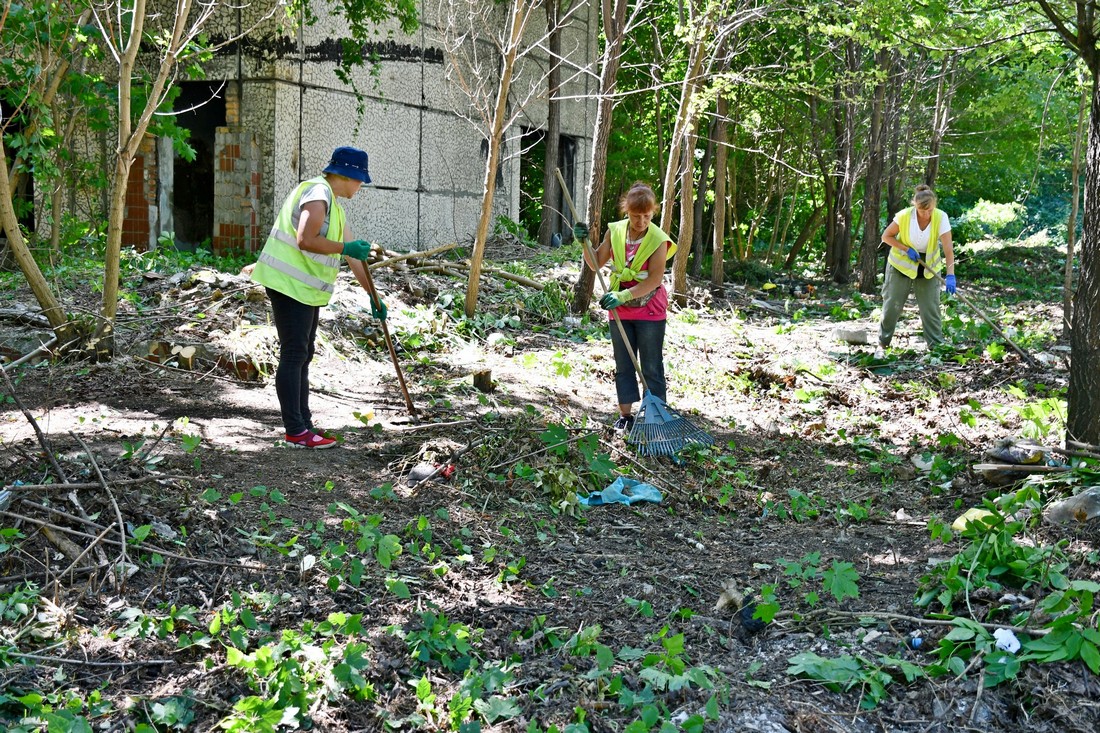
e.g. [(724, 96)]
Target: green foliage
[(440, 642), (846, 672), (994, 559), (985, 219)]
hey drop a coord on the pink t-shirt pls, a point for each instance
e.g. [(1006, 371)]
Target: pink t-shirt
[(657, 307)]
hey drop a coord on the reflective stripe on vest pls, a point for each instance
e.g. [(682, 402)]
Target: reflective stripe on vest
[(900, 260), (620, 271), (308, 277)]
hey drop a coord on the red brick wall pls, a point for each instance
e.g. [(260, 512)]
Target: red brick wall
[(237, 183), (135, 225)]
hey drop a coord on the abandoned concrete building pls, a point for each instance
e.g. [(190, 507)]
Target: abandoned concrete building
[(272, 109)]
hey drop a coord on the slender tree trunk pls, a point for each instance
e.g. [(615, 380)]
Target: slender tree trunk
[(846, 167), (699, 208), (9, 222), (130, 134), (872, 186), (1084, 372), (805, 235), (614, 20), (1071, 225), (941, 117), (687, 215), (684, 122), (500, 113), (552, 216), (717, 267)]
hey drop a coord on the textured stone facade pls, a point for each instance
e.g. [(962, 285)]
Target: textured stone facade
[(426, 158)]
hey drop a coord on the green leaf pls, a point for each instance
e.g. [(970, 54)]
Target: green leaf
[(389, 547), (497, 708), (398, 588), (556, 436), (840, 580), (1090, 655)]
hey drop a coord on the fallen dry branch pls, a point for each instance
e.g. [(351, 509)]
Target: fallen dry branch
[(393, 258), (460, 269), (146, 546), (117, 482), (37, 430), (123, 558), (1019, 468)]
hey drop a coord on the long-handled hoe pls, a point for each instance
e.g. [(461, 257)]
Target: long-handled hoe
[(658, 430)]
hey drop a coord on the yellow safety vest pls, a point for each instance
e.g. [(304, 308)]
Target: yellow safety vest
[(308, 277), (654, 238), (900, 260)]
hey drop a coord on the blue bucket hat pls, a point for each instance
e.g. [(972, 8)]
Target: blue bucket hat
[(350, 163)]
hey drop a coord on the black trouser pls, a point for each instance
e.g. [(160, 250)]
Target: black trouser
[(296, 323), (647, 341)]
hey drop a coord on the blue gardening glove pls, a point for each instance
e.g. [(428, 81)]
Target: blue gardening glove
[(913, 255), (615, 299), (949, 281), (358, 249), (378, 310), (580, 231)]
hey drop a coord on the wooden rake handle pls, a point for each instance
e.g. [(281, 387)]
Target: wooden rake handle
[(1031, 360), (592, 255), (377, 303)]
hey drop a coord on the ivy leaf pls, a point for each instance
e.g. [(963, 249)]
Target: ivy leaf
[(840, 580)]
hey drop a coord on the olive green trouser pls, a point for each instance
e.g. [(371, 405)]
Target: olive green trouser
[(895, 292)]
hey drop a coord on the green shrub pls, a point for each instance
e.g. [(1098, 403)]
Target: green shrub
[(988, 219)]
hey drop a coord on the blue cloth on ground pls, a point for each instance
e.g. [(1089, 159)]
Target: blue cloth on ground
[(622, 491)]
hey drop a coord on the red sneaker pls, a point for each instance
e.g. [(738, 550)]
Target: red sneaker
[(310, 439)]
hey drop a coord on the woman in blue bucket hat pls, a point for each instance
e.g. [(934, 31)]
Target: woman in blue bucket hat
[(298, 267)]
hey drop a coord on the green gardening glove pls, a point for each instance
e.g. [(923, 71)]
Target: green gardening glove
[(615, 299), (358, 249), (378, 309), (580, 231)]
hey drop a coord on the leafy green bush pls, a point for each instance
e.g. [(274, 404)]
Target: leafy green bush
[(988, 219), (749, 272)]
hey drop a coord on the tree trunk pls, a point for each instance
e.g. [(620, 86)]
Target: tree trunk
[(614, 18), (1083, 423), (552, 216), (700, 207), (687, 215), (872, 186), (1071, 225), (790, 213), (804, 236), (516, 29), (717, 267), (846, 167), (9, 222), (941, 118), (685, 122)]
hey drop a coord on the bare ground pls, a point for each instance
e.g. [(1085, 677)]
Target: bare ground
[(501, 545)]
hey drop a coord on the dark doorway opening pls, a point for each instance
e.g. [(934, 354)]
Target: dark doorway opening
[(201, 109), (532, 168)]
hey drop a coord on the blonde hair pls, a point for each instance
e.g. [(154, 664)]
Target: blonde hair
[(640, 198), (924, 197)]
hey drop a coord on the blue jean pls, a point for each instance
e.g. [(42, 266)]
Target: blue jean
[(296, 324), (647, 340)]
